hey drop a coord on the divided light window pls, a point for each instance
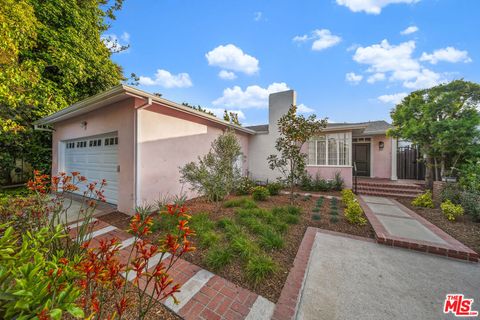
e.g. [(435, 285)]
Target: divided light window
[(330, 150)]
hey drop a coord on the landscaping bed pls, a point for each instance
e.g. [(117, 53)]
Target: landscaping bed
[(253, 244), (464, 228)]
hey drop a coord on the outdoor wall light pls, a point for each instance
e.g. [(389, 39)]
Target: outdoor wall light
[(83, 124), (381, 145)]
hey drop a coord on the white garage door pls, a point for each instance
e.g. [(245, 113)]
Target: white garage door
[(96, 158)]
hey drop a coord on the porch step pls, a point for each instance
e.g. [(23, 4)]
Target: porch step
[(388, 189), (387, 194)]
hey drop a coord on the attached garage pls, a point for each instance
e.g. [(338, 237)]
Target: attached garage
[(96, 158)]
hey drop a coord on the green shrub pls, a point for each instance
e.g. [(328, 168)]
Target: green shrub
[(470, 202), (333, 211), (451, 211), (334, 219), (452, 192), (218, 258), (316, 209), (423, 200), (338, 182), (291, 219), (316, 216), (271, 240), (470, 176), (253, 225), (201, 222), (244, 186), (208, 239), (244, 202), (259, 267), (274, 188), (347, 196), (354, 213), (307, 197), (260, 193), (244, 247), (293, 210)]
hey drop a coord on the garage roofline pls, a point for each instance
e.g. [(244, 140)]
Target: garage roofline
[(122, 92)]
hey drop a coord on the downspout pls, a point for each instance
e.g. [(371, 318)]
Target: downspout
[(136, 161)]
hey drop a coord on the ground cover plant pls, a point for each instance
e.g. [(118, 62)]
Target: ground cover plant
[(318, 184), (253, 243)]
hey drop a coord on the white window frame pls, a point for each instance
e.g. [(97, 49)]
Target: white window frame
[(336, 136)]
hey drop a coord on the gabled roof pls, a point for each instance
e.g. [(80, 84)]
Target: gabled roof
[(122, 92)]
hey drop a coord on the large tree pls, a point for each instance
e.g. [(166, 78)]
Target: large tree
[(443, 122), (294, 130), (51, 55)]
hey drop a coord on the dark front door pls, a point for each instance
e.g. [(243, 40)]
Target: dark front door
[(361, 156)]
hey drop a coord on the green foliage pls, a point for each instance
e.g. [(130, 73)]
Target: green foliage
[(347, 196), (260, 193), (51, 55), (259, 268), (354, 213), (291, 219), (231, 117), (423, 200), (243, 247), (451, 211), (215, 174), (316, 216), (218, 258), (294, 131), (316, 209), (334, 219), (270, 240), (198, 108), (208, 239), (307, 197), (470, 201), (244, 186), (274, 188), (452, 192), (244, 202), (29, 269), (470, 176), (443, 121), (320, 201), (338, 182)]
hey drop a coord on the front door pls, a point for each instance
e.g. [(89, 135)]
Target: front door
[(361, 156)]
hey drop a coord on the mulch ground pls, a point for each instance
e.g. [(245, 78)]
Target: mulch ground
[(272, 287), (464, 229)]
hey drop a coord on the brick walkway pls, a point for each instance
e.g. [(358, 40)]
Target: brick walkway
[(398, 226), (203, 295)]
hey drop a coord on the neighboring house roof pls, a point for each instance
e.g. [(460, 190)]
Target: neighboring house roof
[(121, 92), (371, 127)]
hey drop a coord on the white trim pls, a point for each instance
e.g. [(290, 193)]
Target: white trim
[(371, 158), (394, 159), (60, 157), (328, 166)]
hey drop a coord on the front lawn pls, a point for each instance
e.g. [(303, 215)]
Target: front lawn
[(254, 243)]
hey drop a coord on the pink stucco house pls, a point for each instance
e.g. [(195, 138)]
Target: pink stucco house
[(137, 141)]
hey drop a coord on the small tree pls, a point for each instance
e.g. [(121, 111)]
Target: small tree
[(214, 175), (443, 121), (294, 130), (231, 117)]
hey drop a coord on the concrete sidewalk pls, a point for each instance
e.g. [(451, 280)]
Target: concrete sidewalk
[(397, 225), (348, 278)]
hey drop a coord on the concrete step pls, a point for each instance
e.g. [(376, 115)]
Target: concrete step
[(389, 190), (389, 185)]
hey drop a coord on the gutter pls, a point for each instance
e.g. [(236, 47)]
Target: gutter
[(136, 156)]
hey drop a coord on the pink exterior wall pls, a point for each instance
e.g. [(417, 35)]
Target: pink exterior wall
[(117, 117), (169, 139), (328, 172), (381, 159)]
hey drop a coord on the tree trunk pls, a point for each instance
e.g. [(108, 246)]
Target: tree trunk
[(428, 172)]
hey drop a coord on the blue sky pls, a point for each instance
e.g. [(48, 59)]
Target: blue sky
[(348, 60)]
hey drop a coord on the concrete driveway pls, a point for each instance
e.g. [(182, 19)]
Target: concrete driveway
[(354, 279)]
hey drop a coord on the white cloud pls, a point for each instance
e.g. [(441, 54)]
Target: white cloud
[(392, 98), (370, 6), (301, 108), (252, 97), (448, 54), (230, 57), (353, 78), (165, 79), (409, 30), (398, 63), (376, 77), (322, 39), (116, 43), (257, 16), (227, 75)]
